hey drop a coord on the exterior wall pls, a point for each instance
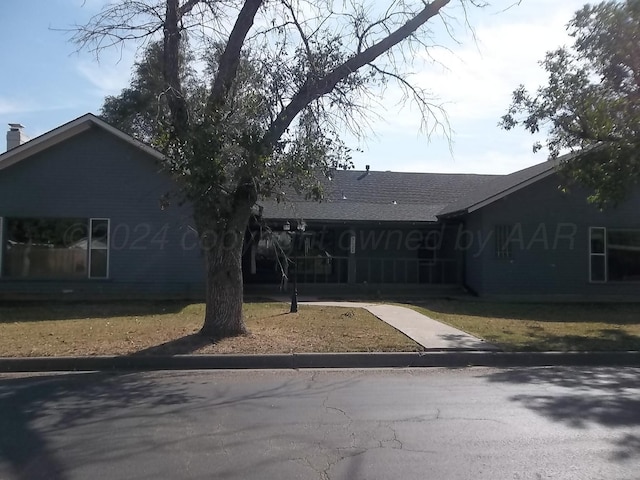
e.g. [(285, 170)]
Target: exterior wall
[(95, 175), (473, 262), (550, 243)]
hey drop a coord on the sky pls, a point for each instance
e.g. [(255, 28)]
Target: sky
[(45, 82)]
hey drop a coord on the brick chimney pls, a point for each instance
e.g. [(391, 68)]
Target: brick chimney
[(15, 136)]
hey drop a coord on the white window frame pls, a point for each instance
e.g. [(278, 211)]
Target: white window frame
[(597, 254), (90, 244)]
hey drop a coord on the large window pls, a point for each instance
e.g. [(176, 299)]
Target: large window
[(55, 248), (99, 251), (623, 255), (614, 255)]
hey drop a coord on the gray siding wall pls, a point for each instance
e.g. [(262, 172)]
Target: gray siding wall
[(97, 175), (468, 242), (550, 252)]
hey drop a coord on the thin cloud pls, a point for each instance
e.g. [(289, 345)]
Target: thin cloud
[(20, 107), (479, 80), (111, 74), (104, 81), (8, 107), (473, 82)]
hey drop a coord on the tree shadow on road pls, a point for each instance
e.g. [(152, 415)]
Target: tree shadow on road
[(627, 447), (36, 412), (606, 379), (582, 397), (34, 409)]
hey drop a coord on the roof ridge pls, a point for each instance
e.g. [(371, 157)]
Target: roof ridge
[(65, 131)]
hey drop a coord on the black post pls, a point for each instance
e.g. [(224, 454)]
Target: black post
[(294, 295)]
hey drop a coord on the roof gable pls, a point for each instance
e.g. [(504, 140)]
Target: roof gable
[(499, 187), (66, 131)]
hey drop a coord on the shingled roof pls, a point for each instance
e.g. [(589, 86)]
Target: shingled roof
[(380, 196), (406, 197), (498, 187)]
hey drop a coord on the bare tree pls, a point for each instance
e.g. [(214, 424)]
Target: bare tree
[(284, 78)]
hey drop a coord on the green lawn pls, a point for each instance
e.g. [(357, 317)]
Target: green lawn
[(540, 327)]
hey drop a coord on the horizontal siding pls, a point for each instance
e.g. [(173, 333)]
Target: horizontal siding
[(97, 175), (550, 257), (473, 266)]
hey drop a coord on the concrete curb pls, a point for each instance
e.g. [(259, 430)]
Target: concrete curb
[(322, 360)]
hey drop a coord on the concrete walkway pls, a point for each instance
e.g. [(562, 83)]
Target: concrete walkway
[(426, 331)]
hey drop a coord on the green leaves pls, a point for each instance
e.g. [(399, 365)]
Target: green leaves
[(590, 104), (221, 150)]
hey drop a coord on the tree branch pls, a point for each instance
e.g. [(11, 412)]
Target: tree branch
[(303, 37), (171, 69), (312, 89), (187, 7), (426, 108), (230, 58)]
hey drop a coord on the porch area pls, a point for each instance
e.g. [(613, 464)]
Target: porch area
[(316, 255)]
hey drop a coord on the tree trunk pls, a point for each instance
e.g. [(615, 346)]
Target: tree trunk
[(223, 257)]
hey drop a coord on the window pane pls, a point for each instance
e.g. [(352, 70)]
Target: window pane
[(99, 257), (597, 240), (597, 268), (98, 263), (623, 249), (99, 234), (45, 248)]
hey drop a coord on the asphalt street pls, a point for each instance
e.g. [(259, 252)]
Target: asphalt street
[(474, 423)]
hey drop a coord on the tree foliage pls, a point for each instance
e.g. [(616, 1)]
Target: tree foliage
[(141, 109), (591, 103), (282, 80)]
